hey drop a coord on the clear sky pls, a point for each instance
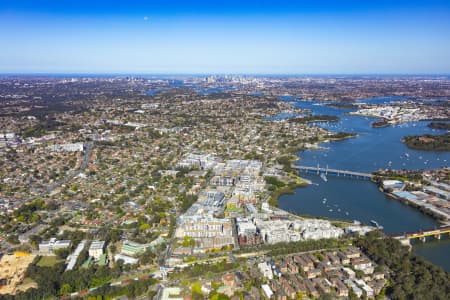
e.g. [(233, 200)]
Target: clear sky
[(215, 36)]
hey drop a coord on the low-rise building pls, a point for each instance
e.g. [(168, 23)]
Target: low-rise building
[(133, 249), (267, 291), (73, 257), (96, 249), (48, 247)]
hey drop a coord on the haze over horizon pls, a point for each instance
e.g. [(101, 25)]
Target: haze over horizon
[(258, 37)]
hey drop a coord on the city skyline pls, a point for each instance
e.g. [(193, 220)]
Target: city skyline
[(197, 37)]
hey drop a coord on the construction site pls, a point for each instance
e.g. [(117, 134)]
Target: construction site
[(12, 272)]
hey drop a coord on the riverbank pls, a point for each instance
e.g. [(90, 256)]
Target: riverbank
[(288, 189), (339, 136), (314, 119), (380, 124), (439, 125), (439, 216), (428, 142)]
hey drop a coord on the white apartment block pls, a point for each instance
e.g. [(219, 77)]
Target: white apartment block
[(96, 249)]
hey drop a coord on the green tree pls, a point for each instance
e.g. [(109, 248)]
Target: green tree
[(65, 289)]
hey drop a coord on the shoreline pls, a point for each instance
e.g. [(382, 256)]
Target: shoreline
[(410, 141), (289, 189), (436, 216)]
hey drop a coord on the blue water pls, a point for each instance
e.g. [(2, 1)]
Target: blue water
[(372, 149), (282, 116), (153, 92), (350, 199)]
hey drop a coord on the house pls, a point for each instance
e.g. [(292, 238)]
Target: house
[(304, 263), (362, 264), (289, 290), (266, 270), (298, 285), (229, 279), (344, 259), (349, 272), (283, 267), (367, 290), (350, 283), (311, 289), (341, 289), (321, 285), (292, 268), (334, 260), (171, 293), (280, 295), (352, 253), (313, 273)]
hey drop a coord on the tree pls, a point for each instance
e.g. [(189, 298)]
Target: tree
[(62, 253), (13, 239), (65, 289), (196, 290)]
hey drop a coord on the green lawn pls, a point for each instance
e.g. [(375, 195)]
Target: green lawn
[(48, 261)]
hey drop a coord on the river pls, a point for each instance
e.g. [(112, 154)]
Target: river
[(372, 149)]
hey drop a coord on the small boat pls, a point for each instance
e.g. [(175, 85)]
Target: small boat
[(407, 154), (375, 223), (346, 213), (330, 210), (324, 178)]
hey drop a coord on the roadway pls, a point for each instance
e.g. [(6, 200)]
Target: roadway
[(332, 171)]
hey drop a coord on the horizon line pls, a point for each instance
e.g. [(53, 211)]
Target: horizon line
[(58, 74)]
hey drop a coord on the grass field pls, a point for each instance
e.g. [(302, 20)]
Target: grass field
[(48, 261)]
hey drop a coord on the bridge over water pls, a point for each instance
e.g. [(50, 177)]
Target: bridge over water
[(334, 172), (437, 233)]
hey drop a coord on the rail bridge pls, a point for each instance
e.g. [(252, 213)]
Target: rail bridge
[(334, 172), (422, 235)]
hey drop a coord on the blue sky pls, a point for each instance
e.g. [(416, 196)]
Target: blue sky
[(276, 37)]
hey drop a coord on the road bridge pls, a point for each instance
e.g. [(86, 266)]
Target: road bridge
[(422, 235), (334, 172)]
